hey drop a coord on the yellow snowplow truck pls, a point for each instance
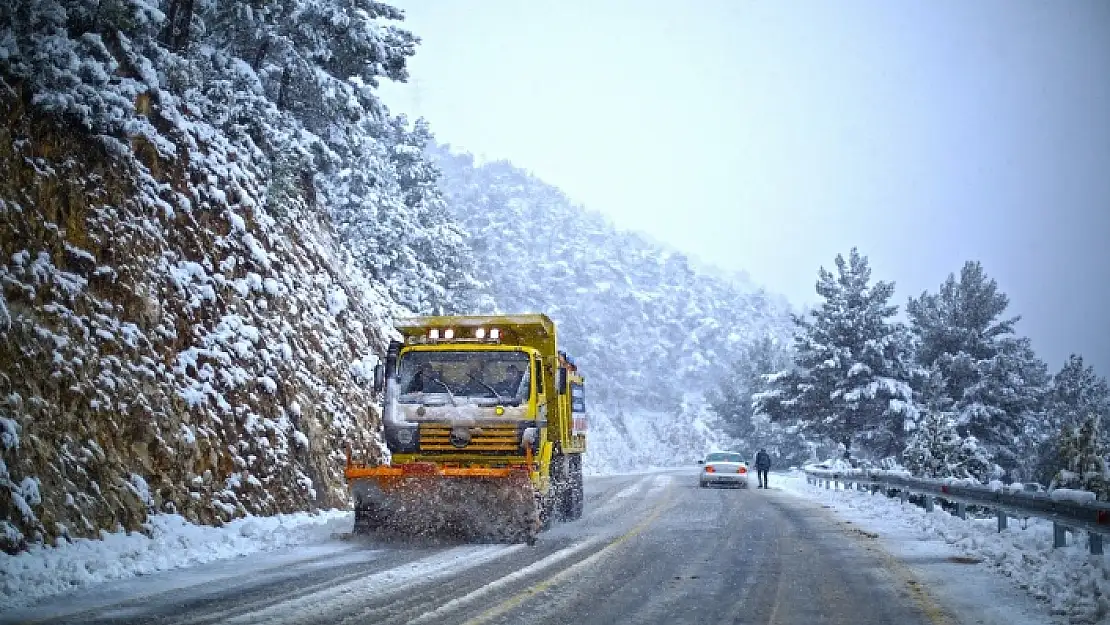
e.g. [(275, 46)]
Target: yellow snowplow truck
[(485, 422)]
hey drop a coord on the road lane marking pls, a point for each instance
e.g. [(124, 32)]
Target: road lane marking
[(539, 565), (522, 596), (126, 595), (936, 614), (659, 484), (780, 581), (307, 607)]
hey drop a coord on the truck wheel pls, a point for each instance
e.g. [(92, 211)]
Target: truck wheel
[(576, 491), (548, 509), (366, 520), (561, 487)]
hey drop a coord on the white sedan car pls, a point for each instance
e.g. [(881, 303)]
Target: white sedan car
[(723, 468)]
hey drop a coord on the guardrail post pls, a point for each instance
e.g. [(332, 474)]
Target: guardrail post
[(1001, 521), (1095, 541), (961, 510), (828, 484), (928, 503), (1059, 536), (904, 495)]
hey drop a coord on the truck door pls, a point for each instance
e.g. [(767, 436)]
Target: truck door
[(541, 397)]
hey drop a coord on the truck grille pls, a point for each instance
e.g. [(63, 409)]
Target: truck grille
[(436, 437)]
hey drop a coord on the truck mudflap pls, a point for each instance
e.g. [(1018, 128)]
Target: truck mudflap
[(423, 499)]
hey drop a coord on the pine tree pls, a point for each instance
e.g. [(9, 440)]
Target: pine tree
[(935, 449), (1006, 399), (732, 398), (1076, 392), (994, 380), (1082, 457), (851, 373)]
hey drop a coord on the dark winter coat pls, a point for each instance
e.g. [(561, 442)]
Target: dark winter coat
[(763, 461)]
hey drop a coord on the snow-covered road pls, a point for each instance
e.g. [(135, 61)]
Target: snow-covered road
[(652, 548), (1004, 578)]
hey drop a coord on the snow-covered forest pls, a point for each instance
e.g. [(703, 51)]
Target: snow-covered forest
[(209, 218), (955, 392)]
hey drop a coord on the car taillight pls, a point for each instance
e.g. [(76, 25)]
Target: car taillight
[(742, 470), (709, 469)]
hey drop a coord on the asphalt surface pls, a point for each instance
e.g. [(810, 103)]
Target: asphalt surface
[(650, 549)]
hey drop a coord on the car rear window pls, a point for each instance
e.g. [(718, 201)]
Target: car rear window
[(722, 457)]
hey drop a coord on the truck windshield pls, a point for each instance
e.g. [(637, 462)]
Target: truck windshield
[(497, 376)]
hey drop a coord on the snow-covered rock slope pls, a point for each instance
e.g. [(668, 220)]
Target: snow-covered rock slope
[(167, 343)]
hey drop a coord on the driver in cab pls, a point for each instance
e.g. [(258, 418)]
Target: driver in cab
[(510, 382), (426, 380)]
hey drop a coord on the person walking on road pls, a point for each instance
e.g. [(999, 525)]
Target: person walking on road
[(762, 466)]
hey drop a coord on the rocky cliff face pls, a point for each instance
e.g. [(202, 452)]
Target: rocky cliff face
[(178, 333)]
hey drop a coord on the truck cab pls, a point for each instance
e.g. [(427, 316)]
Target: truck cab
[(476, 408)]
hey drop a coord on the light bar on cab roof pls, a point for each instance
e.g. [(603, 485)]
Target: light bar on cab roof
[(450, 334)]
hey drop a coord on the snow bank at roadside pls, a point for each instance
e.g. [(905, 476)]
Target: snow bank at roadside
[(173, 543), (1074, 585)]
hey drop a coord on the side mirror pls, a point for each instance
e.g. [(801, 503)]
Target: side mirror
[(561, 380), (379, 378), (701, 462)]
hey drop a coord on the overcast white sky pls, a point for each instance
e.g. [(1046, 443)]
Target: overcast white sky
[(769, 136)]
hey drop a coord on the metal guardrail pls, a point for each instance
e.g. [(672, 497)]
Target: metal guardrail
[(1092, 517)]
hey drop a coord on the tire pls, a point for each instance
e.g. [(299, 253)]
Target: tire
[(530, 530), (549, 507), (366, 519), (703, 484), (560, 486), (576, 492)]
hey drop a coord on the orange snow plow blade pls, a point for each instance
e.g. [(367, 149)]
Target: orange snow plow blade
[(423, 499)]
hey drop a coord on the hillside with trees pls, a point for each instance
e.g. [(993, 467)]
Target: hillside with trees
[(651, 333)]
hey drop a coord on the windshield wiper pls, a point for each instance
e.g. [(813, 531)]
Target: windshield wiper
[(448, 388), (491, 389)]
